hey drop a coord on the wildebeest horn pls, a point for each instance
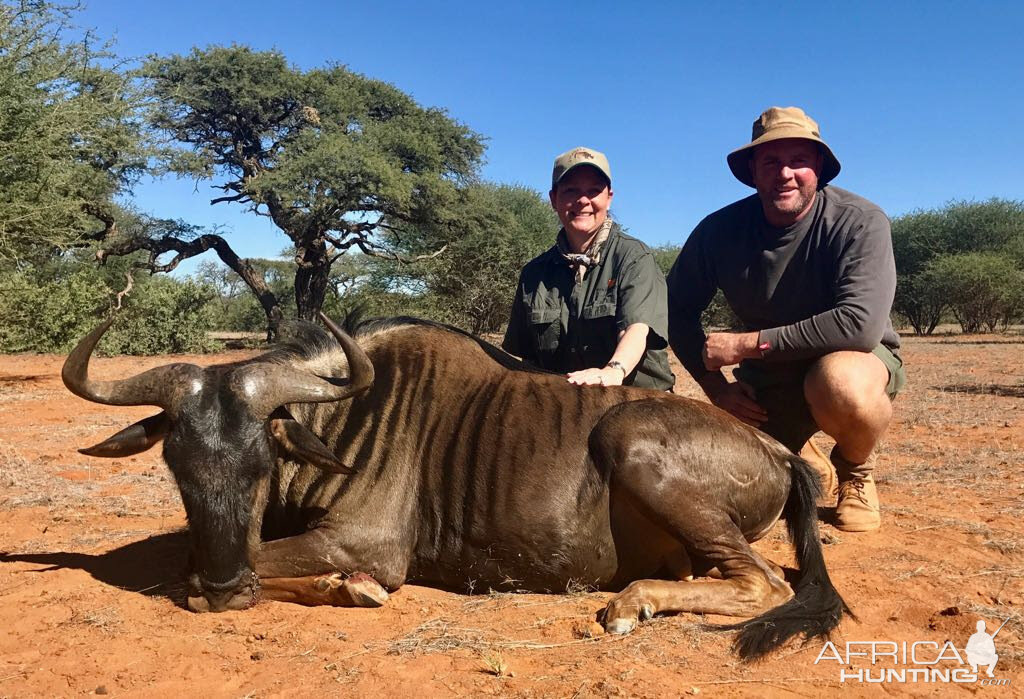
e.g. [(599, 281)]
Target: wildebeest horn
[(269, 386), (162, 386), (360, 369)]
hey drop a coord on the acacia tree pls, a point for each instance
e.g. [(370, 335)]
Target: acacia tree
[(499, 228), (70, 134), (921, 238), (331, 157), (984, 290)]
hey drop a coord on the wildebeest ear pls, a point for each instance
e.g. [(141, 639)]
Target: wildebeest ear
[(302, 445), (134, 439)]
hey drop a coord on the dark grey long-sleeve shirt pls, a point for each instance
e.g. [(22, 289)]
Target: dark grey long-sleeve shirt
[(824, 284)]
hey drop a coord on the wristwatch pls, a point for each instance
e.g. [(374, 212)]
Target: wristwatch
[(615, 364)]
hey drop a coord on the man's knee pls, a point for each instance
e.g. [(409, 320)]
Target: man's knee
[(848, 385)]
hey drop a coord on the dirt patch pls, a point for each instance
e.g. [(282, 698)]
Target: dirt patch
[(94, 553)]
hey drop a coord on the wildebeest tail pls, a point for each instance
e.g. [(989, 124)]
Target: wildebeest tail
[(816, 607)]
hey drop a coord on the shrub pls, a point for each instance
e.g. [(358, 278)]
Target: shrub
[(50, 310), (983, 290)]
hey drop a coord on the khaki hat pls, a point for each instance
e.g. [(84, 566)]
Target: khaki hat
[(576, 157), (782, 122)]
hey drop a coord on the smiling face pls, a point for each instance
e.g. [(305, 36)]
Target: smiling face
[(581, 199), (785, 174)]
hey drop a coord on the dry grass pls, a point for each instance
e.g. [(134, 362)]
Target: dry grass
[(443, 636), (1005, 546), (25, 483), (495, 664), (105, 618)]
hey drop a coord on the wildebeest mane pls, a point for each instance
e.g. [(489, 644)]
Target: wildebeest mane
[(374, 325), (300, 340), (304, 341)]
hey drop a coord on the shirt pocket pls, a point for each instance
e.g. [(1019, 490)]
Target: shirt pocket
[(600, 309), (598, 332), (545, 325)]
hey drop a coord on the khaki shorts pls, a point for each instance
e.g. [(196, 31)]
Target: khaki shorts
[(779, 389)]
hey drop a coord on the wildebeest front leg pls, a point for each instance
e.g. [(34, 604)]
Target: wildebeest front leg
[(335, 589), (311, 569)]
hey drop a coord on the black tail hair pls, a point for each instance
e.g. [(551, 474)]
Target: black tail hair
[(816, 607)]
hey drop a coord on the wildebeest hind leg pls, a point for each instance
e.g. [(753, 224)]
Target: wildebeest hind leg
[(749, 586), (335, 589)]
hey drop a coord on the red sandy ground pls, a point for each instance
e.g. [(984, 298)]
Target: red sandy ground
[(92, 557)]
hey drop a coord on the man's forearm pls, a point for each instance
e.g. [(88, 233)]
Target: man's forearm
[(725, 349), (837, 329)]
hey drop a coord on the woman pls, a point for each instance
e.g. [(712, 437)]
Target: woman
[(594, 306)]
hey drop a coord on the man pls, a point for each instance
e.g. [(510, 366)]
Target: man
[(593, 306), (809, 271)]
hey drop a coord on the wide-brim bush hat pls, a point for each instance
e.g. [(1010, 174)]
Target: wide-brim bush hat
[(782, 122)]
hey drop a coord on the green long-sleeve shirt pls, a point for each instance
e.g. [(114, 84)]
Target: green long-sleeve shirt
[(563, 326), (824, 284)]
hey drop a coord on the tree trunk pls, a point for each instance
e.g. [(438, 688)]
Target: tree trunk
[(268, 301), (258, 285), (190, 248), (311, 281)]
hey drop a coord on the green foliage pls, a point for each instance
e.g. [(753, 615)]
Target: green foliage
[(665, 256), (718, 314), (474, 281), (497, 229), (49, 309), (921, 301), (48, 316), (332, 157), (922, 238), (169, 317), (983, 290), (235, 308), (69, 139)]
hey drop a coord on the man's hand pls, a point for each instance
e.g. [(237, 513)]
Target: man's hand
[(738, 399), (608, 376), (723, 349)]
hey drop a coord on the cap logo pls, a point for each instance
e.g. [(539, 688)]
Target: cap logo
[(580, 153)]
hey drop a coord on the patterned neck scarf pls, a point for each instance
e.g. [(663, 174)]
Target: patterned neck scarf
[(582, 261)]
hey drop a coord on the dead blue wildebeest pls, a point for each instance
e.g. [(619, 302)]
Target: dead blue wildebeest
[(333, 469)]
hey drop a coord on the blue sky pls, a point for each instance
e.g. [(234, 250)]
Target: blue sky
[(921, 101)]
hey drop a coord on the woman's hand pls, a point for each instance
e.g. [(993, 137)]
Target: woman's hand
[(608, 376)]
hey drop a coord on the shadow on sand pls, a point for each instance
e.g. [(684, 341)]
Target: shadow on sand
[(154, 566), (985, 389)]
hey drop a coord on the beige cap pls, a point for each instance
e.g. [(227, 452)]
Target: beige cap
[(776, 123), (580, 156)]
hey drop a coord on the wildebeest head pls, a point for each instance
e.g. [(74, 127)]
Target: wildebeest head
[(222, 427)]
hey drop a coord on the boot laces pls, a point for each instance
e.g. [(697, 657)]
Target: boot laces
[(854, 488)]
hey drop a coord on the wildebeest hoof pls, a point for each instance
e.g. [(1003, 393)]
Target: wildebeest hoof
[(198, 604), (356, 590), (620, 627), (625, 624)]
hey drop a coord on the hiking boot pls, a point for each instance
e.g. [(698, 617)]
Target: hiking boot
[(857, 510), (826, 473)]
